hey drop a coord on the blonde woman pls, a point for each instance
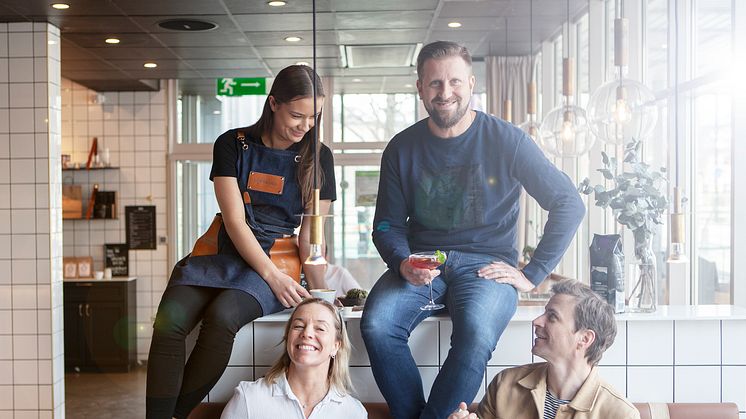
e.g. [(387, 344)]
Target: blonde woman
[(311, 379)]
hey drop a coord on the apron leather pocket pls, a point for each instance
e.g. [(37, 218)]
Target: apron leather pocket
[(284, 252)]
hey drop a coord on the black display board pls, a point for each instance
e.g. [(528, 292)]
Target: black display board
[(140, 225), (117, 258)]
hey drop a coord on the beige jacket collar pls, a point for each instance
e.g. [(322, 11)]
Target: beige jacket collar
[(585, 398)]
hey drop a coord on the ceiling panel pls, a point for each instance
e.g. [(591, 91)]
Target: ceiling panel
[(369, 6), (383, 20), (213, 52), (278, 38), (250, 34), (238, 64), (237, 7), (170, 7), (300, 51), (206, 39), (287, 22), (373, 36), (135, 54)]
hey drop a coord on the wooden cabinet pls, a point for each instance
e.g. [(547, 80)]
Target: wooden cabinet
[(100, 320)]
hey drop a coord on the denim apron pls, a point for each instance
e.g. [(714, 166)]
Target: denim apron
[(269, 215)]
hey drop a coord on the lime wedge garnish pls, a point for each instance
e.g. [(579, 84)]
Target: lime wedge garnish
[(440, 257)]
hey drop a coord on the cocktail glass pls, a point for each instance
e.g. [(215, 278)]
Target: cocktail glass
[(430, 261)]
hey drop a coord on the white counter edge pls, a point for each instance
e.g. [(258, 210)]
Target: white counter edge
[(527, 314)]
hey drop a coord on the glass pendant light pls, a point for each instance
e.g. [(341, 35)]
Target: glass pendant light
[(316, 257), (622, 109), (531, 126), (565, 132)]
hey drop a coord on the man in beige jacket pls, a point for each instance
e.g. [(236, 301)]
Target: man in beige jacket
[(576, 328)]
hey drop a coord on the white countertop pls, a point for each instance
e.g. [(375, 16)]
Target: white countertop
[(526, 314), (113, 279)]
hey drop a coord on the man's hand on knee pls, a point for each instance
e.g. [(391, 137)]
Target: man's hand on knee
[(505, 274), (462, 413), (416, 276)]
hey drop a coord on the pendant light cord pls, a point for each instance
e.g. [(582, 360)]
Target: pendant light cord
[(676, 89), (315, 94), (566, 52)]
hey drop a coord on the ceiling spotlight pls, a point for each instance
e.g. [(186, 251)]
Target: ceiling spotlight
[(61, 6), (408, 86), (216, 112), (302, 63), (150, 65), (112, 41), (293, 38), (356, 80), (454, 24), (276, 3)]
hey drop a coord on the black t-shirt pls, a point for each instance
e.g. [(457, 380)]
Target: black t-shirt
[(225, 156)]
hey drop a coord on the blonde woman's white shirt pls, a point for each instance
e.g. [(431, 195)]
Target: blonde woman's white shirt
[(259, 400)]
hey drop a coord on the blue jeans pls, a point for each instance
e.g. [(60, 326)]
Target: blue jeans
[(480, 309)]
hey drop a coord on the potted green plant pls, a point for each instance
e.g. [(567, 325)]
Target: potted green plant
[(354, 297), (637, 200)]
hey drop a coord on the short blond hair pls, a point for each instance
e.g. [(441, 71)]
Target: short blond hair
[(339, 366)]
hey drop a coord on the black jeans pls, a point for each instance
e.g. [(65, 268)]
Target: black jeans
[(174, 389)]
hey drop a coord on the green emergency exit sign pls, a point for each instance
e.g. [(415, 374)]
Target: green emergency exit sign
[(242, 86)]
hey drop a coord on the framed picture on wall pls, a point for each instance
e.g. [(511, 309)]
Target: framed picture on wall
[(85, 267), (69, 267)]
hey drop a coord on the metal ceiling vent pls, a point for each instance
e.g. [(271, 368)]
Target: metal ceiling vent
[(367, 56), (187, 25)]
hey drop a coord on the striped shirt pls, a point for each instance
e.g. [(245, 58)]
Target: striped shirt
[(551, 405)]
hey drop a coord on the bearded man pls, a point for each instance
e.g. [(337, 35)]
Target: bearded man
[(452, 182)]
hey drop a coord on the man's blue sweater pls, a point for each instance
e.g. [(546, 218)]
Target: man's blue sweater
[(462, 193)]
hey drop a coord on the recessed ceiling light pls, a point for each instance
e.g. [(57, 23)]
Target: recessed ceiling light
[(454, 24), (112, 40), (150, 65), (356, 80), (216, 112), (276, 3), (302, 63), (293, 38), (408, 86), (61, 6)]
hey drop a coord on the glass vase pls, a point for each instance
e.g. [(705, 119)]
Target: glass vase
[(643, 274)]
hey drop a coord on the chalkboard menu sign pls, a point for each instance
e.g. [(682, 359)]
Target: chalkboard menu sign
[(117, 258), (140, 225)]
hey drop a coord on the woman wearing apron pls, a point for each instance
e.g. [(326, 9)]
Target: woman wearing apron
[(263, 177)]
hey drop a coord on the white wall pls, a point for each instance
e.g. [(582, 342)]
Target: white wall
[(133, 126), (31, 322)]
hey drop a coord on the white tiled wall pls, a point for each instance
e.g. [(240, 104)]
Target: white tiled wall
[(132, 126), (650, 361), (31, 349)]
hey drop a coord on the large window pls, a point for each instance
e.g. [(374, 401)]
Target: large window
[(704, 127), (195, 203), (712, 36), (363, 124), (711, 208), (372, 117), (656, 45), (202, 117)]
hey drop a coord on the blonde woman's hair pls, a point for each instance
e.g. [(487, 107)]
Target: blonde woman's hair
[(339, 371)]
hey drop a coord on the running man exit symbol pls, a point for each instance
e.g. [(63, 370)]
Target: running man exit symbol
[(241, 86)]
